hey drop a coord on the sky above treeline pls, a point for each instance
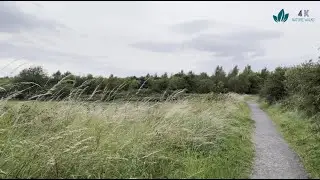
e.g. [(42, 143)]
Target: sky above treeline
[(136, 38)]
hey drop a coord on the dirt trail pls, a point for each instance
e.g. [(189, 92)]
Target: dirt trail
[(274, 159)]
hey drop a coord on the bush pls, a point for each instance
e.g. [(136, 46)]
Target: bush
[(303, 82)]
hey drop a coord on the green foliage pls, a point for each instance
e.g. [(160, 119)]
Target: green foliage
[(200, 137), (4, 82), (33, 74), (68, 85), (274, 88), (303, 83), (176, 83), (297, 87), (30, 81)]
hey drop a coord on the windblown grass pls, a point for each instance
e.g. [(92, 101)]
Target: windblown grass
[(196, 137)]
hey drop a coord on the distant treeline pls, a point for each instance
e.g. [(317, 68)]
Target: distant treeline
[(299, 86)]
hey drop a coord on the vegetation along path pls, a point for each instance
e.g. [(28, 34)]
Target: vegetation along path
[(274, 159)]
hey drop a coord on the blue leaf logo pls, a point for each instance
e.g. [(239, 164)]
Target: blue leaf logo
[(282, 17), (286, 17)]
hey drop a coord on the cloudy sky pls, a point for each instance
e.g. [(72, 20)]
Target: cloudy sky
[(135, 38)]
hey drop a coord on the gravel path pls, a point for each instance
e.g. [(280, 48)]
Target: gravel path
[(274, 159)]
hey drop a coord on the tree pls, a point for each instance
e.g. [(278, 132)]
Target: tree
[(33, 74), (274, 88), (176, 83), (234, 72), (233, 80), (31, 81), (219, 80), (57, 75)]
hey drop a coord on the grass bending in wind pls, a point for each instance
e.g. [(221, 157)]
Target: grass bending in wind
[(198, 137)]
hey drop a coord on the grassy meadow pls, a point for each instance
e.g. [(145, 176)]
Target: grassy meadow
[(200, 137)]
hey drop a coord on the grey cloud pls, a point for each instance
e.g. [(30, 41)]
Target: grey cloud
[(158, 47), (191, 27), (37, 4), (254, 34), (13, 19), (235, 45), (9, 50), (50, 58), (214, 43), (258, 53)]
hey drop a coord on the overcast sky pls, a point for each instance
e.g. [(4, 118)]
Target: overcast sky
[(135, 38)]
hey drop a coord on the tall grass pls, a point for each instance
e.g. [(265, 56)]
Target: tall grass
[(205, 136)]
